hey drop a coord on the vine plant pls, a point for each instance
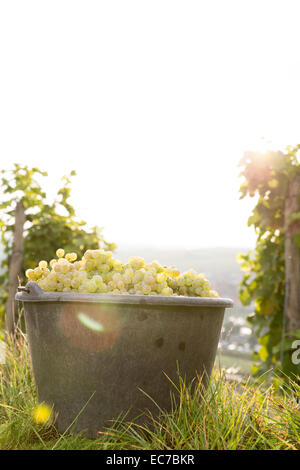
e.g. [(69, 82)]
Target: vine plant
[(267, 176), (47, 225)]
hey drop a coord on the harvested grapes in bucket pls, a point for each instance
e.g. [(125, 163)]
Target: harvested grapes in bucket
[(99, 272)]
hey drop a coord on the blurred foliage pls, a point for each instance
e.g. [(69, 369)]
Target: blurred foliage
[(267, 176), (47, 226)]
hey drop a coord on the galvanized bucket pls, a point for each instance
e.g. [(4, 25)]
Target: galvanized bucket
[(92, 354)]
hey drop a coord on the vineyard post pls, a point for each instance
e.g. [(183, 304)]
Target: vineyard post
[(15, 267), (292, 258)]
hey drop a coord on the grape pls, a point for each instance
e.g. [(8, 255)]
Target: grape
[(71, 256), (117, 265), (103, 288), (136, 262), (167, 291), (155, 265), (67, 289), (146, 289), (98, 280), (137, 277), (149, 278), (175, 272), (75, 283), (129, 272), (67, 281), (104, 268), (60, 253), (161, 277), (89, 265), (77, 264), (126, 279), (30, 274), (98, 271), (57, 268)]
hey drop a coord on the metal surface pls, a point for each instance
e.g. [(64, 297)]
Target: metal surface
[(109, 347), (35, 294)]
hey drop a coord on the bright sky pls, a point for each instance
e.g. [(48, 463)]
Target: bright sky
[(152, 103)]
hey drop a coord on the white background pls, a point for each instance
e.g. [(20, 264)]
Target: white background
[(152, 103)]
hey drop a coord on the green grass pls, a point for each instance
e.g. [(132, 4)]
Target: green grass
[(225, 416)]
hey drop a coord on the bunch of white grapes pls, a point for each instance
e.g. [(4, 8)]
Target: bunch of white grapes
[(98, 271)]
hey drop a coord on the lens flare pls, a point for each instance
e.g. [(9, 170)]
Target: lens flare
[(90, 323), (42, 413), (94, 328)]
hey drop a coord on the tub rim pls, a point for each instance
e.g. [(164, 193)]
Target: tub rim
[(33, 293)]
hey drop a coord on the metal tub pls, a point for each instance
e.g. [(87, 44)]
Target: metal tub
[(102, 349)]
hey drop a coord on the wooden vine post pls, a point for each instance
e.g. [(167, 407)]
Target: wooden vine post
[(15, 267), (292, 258)]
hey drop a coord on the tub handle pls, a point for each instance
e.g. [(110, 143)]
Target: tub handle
[(31, 291), (23, 289)]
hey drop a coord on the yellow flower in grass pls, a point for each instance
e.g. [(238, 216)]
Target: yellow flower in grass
[(42, 413)]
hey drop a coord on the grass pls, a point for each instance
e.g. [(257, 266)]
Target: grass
[(225, 416)]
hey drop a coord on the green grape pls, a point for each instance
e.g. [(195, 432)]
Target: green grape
[(167, 291), (129, 272), (87, 254), (57, 268), (116, 292), (67, 289), (71, 257), (60, 253), (120, 285), (98, 279), (183, 290), (99, 272), (137, 277), (117, 265), (104, 268), (126, 279), (30, 274), (89, 285), (103, 289), (146, 289), (136, 262), (196, 283), (149, 278), (155, 265), (43, 264), (175, 272), (67, 281), (188, 281), (75, 283), (65, 269), (82, 275), (161, 277)]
